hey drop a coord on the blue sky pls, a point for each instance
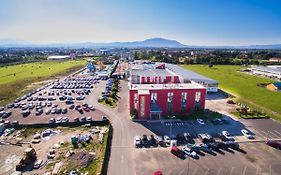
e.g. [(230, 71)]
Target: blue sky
[(192, 22)]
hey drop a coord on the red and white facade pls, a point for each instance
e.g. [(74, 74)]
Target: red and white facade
[(156, 92)]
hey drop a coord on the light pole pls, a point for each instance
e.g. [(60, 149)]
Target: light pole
[(171, 124)]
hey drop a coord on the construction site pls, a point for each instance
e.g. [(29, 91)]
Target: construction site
[(60, 150)]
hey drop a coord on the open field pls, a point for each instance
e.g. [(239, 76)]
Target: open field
[(15, 79), (244, 87)]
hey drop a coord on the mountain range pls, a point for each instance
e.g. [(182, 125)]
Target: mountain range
[(148, 43)]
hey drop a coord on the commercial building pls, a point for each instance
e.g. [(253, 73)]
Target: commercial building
[(59, 57), (274, 86), (267, 71), (156, 91), (187, 75)]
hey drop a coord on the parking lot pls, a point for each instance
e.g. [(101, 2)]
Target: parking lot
[(61, 100)]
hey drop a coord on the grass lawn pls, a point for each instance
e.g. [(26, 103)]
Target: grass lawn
[(14, 79), (244, 87)]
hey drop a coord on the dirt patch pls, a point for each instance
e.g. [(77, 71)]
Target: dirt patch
[(81, 159)]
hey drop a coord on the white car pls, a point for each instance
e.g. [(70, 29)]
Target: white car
[(227, 135), (58, 120), (64, 120), (189, 152), (137, 141), (200, 121), (247, 134), (167, 139)]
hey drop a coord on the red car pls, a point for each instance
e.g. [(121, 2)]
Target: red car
[(158, 173), (86, 109), (273, 143), (177, 152)]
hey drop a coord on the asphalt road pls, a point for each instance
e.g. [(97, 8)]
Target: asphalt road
[(124, 130)]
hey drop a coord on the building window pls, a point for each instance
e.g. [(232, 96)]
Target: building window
[(136, 101), (183, 101), (142, 106), (170, 102), (153, 97), (197, 100)]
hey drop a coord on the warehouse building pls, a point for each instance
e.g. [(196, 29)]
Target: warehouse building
[(155, 91), (267, 71)]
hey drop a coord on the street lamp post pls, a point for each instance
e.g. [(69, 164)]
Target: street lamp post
[(171, 125)]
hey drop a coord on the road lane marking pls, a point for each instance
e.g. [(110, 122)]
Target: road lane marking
[(270, 170)]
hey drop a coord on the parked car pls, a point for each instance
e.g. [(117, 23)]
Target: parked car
[(144, 141), (205, 138), (222, 137), (217, 121), (188, 151), (59, 120), (177, 152), (37, 164), (227, 135), (76, 119), (137, 142), (72, 106), (247, 134), (82, 119), (273, 143), (161, 141), (47, 111), (232, 144), (167, 139), (200, 121), (64, 110), (64, 120), (89, 119), (205, 148), (153, 141), (52, 120)]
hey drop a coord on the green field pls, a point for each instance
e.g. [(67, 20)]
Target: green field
[(244, 87), (14, 79)]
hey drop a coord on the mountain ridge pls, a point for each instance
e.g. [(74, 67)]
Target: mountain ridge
[(156, 42)]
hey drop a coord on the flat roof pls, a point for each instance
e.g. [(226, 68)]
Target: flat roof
[(187, 74), (271, 69), (151, 72), (165, 86), (58, 57)]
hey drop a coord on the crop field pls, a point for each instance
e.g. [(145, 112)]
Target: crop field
[(244, 87), (14, 79)]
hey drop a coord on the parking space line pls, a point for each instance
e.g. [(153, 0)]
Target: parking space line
[(273, 134), (195, 171), (206, 173), (279, 134), (219, 171), (266, 135), (232, 168), (261, 134), (270, 170), (181, 172), (257, 172), (244, 171)]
